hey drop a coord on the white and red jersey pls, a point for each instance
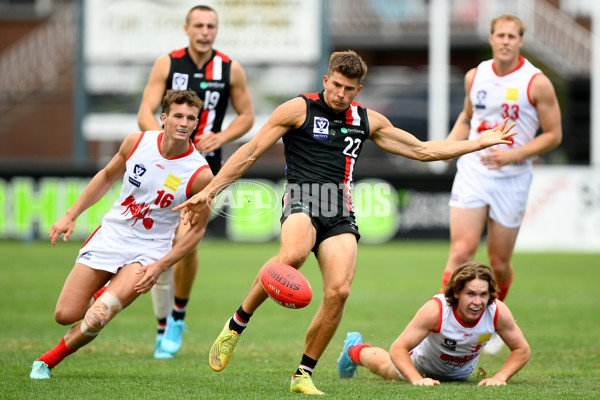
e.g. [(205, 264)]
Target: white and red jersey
[(495, 98), (451, 351), (152, 186)]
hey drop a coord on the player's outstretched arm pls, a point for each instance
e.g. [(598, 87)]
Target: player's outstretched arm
[(93, 192), (285, 117), (397, 141), (520, 352), (424, 321)]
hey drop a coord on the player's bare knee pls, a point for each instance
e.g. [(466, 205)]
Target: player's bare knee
[(337, 294), (104, 309), (463, 251), (66, 317), (293, 257)]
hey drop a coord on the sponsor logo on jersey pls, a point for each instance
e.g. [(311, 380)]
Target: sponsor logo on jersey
[(138, 171), (198, 75), (450, 344), (484, 126), (481, 95), (455, 361), (512, 94), (138, 211), (321, 128), (180, 81), (353, 130), (212, 85), (172, 183), (484, 338)]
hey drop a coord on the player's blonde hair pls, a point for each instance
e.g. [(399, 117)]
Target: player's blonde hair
[(348, 63), (188, 97), (200, 8), (466, 273), (510, 18)]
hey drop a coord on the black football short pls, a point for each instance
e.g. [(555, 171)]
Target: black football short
[(326, 205)]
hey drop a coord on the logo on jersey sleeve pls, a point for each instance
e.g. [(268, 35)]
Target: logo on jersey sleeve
[(180, 81), (172, 183), (138, 171), (512, 94), (321, 128), (481, 95)]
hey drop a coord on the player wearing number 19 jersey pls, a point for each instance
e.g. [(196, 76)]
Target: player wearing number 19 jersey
[(211, 82)]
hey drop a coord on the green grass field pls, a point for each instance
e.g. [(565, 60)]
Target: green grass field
[(555, 299)]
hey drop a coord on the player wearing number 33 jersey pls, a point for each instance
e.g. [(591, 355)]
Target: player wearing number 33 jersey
[(497, 97)]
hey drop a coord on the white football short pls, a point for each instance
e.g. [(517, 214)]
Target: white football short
[(506, 196), (107, 253)]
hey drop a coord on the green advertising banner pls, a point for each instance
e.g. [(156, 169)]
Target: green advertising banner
[(250, 209)]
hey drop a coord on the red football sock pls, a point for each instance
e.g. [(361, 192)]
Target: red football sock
[(354, 352), (446, 278), (57, 354), (99, 292), (503, 287)]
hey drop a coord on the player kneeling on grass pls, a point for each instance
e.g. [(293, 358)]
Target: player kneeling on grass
[(446, 336), (133, 246)]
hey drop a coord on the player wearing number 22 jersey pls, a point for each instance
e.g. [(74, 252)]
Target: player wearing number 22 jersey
[(323, 134), (320, 158)]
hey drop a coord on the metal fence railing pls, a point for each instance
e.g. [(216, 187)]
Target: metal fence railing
[(553, 36)]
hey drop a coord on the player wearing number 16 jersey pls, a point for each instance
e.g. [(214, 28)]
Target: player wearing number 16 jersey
[(217, 80), (492, 185), (134, 245), (322, 134)]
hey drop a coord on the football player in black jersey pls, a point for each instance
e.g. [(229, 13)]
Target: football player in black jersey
[(216, 79), (323, 134)]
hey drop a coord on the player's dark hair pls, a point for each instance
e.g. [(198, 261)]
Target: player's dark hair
[(348, 63), (510, 18), (188, 97), (466, 273), (200, 8)]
